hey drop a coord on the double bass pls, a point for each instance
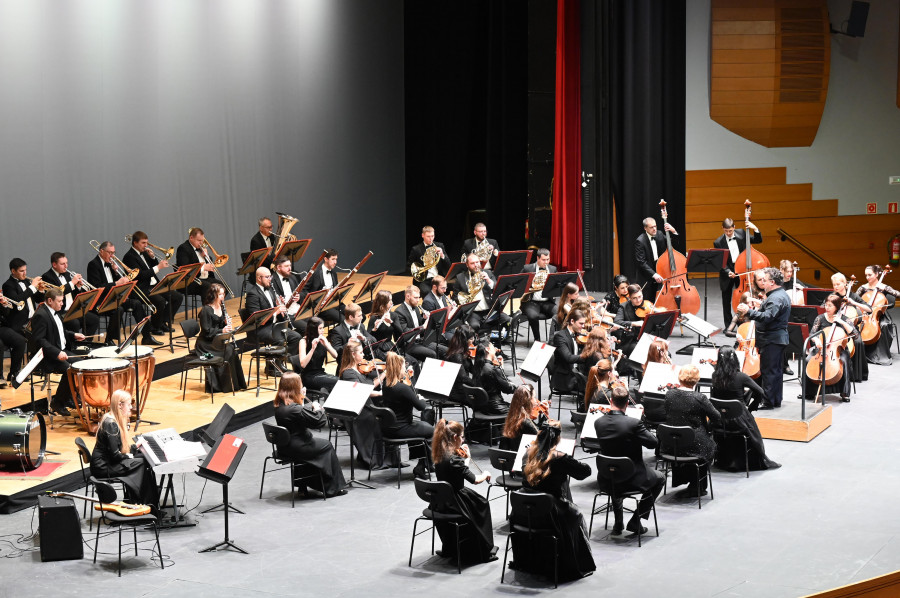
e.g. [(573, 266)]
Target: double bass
[(747, 264), (676, 292)]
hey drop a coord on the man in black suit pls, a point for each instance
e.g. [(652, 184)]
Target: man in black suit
[(351, 327), (564, 375), (622, 436), (285, 282), (536, 308), (59, 274), (262, 296), (264, 237), (193, 251), (481, 243), (409, 315), (771, 333), (648, 247), (414, 259), (47, 333), (140, 257), (735, 241), (18, 288), (325, 277), (437, 298), (483, 297)]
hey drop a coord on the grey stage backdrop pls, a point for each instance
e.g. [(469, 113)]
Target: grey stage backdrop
[(158, 115)]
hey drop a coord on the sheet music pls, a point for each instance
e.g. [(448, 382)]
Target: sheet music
[(566, 445), (29, 367), (639, 354), (658, 374), (699, 325), (438, 376), (710, 354), (588, 431), (538, 356), (349, 397)]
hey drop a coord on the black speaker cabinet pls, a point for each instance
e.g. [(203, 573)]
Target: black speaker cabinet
[(60, 529)]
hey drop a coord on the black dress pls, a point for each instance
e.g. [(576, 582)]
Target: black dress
[(462, 377), (575, 558), (690, 408), (366, 433), (298, 419), (729, 451), (401, 399), (845, 384), (495, 383), (879, 352), (313, 375), (217, 379), (476, 539), (108, 461), (512, 444)]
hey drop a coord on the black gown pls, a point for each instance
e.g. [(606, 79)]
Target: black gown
[(879, 352), (845, 384), (108, 461), (217, 379), (495, 383), (575, 558), (401, 399), (313, 375), (476, 539), (298, 419), (690, 408), (512, 444), (366, 433), (729, 450)]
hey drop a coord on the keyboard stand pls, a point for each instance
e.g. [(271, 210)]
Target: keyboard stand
[(178, 518)]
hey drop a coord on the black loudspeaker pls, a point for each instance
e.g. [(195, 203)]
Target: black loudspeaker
[(859, 14), (60, 529)]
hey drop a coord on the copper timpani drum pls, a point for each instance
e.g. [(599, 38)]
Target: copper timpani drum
[(93, 382), (23, 439), (146, 365)]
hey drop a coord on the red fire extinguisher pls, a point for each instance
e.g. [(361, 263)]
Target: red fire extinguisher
[(894, 251)]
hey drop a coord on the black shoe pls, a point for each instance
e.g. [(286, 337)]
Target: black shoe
[(845, 398), (149, 340), (59, 409), (633, 527), (688, 493), (617, 528), (765, 407), (340, 492), (3, 383), (788, 371), (166, 328)]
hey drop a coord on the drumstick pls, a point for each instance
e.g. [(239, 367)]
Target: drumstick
[(94, 335)]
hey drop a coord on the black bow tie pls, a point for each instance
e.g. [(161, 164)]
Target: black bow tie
[(353, 327), (107, 265), (285, 279)]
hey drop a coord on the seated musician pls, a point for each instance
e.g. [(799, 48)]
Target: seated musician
[(402, 399), (537, 308), (839, 284), (310, 360), (787, 272), (261, 296), (380, 322), (104, 272), (20, 289), (193, 251), (264, 237), (482, 282), (409, 315), (140, 256), (214, 321), (415, 262), (875, 293), (600, 382), (285, 283), (483, 246), (459, 350), (596, 347), (629, 318), (487, 373), (824, 321), (619, 295), (564, 375), (47, 333), (351, 328), (59, 274), (437, 298), (325, 277), (520, 417), (564, 304)]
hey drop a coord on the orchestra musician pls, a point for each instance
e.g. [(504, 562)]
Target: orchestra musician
[(483, 297), (519, 418), (629, 317), (193, 251), (735, 241), (418, 252), (565, 376), (482, 245), (840, 287), (787, 274), (537, 307), (401, 398), (647, 248), (351, 328), (20, 289), (879, 352), (407, 316), (310, 360), (59, 275), (261, 296), (619, 295), (263, 237), (325, 277), (380, 322), (47, 333), (488, 374), (831, 317), (284, 281), (600, 380), (437, 298), (567, 299), (140, 256), (214, 321)]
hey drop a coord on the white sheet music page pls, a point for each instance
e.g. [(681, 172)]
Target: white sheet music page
[(566, 445), (438, 376), (538, 356), (348, 396), (639, 354)]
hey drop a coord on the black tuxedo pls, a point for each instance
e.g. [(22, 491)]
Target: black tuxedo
[(14, 321), (536, 310), (470, 244), (563, 375), (726, 283), (186, 255), (646, 265), (622, 436), (476, 318), (431, 302), (96, 275), (91, 320), (254, 301), (415, 257), (340, 335), (293, 281), (317, 283), (258, 241), (147, 279), (45, 335), (402, 318)]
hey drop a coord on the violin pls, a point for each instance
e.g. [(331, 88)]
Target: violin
[(472, 349), (542, 407), (711, 362), (676, 292), (367, 367), (667, 386), (645, 309), (747, 264)]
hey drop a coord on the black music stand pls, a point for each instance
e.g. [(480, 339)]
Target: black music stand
[(114, 299), (345, 402), (370, 285), (498, 305), (336, 298), (220, 465), (211, 434), (805, 314), (660, 323), (254, 321), (406, 338), (82, 303), (191, 272), (436, 320), (294, 250), (554, 283), (167, 284), (456, 268), (535, 363), (309, 304), (459, 317), (255, 259), (797, 335), (813, 296), (519, 283), (129, 340), (701, 260), (511, 262), (435, 382)]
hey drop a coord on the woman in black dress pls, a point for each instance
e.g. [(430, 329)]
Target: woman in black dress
[(115, 456), (366, 434), (832, 317), (448, 453), (379, 323), (214, 320), (458, 352), (401, 398), (843, 290), (618, 295), (519, 418), (687, 407), (730, 383), (295, 413), (874, 290), (548, 470), (311, 358), (487, 373)]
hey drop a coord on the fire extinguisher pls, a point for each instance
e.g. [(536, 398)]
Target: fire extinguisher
[(894, 251)]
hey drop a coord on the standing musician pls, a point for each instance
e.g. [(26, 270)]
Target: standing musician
[(565, 376), (325, 277), (59, 274), (538, 308), (771, 333), (735, 241), (481, 245), (47, 333), (261, 296), (647, 248), (20, 289), (418, 252), (285, 282), (140, 256), (351, 328), (483, 297), (264, 237), (193, 251), (103, 272), (409, 315)]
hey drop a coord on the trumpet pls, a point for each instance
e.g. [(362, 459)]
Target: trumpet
[(44, 286), (131, 273), (168, 253), (84, 283), (7, 302)]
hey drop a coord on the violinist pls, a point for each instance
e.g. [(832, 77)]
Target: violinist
[(568, 298), (600, 382), (632, 314), (596, 347), (401, 398), (658, 352), (487, 373), (832, 317), (355, 368), (735, 241), (619, 295), (519, 418), (771, 333), (647, 248), (538, 308), (461, 351), (729, 382), (855, 307), (565, 376), (881, 298)]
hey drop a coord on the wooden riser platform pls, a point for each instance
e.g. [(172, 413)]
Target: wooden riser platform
[(786, 423)]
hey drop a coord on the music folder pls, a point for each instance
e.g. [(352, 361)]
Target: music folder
[(347, 398), (660, 323), (657, 377), (167, 283), (255, 259), (309, 304), (438, 376), (456, 268), (537, 359), (370, 286), (554, 283), (703, 356), (294, 250), (191, 272), (566, 445), (81, 304), (256, 319), (336, 298), (459, 317), (116, 296)]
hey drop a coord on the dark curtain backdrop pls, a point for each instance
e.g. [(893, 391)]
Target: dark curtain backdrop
[(466, 119), (647, 103)]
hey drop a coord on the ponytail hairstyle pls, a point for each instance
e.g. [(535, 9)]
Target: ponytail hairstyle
[(447, 438)]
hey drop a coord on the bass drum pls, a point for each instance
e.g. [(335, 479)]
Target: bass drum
[(23, 440)]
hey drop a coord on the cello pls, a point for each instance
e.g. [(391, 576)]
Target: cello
[(871, 330), (676, 292), (830, 357), (746, 335), (747, 264)]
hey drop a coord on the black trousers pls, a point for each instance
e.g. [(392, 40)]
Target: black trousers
[(17, 345), (771, 369), (536, 311)]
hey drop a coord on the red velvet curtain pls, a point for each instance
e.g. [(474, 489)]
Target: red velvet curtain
[(565, 240)]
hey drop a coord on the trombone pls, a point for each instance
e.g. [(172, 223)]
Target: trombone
[(131, 273), (168, 253), (221, 260)]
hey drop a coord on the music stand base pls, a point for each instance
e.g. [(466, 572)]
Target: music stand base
[(702, 341), (225, 544), (221, 507), (353, 482)]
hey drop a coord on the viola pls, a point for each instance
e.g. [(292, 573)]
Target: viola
[(667, 386), (747, 264), (676, 291)]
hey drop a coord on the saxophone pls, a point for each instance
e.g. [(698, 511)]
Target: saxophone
[(474, 286), (429, 261)]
